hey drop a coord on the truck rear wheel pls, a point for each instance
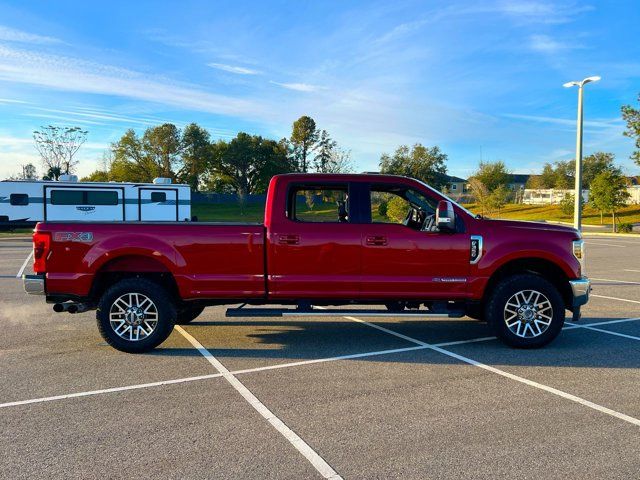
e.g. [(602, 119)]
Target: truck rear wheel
[(135, 315), (525, 311), (188, 313)]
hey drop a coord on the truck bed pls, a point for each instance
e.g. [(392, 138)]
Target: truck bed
[(208, 260)]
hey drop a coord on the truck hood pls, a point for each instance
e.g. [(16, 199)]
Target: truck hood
[(525, 225)]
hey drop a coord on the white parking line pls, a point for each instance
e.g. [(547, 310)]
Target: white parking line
[(234, 372), (617, 334), (108, 390), (24, 265), (631, 270), (614, 281), (303, 447), (540, 386), (351, 356), (615, 298), (606, 244)]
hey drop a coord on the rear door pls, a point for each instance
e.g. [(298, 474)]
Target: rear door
[(314, 250), (158, 204), (91, 204)]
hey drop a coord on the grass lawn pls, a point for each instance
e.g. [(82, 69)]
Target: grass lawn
[(629, 214), (20, 232)]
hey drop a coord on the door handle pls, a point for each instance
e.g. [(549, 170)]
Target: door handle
[(376, 241), (289, 239)]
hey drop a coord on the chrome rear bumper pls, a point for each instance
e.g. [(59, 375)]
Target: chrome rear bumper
[(580, 289), (33, 284)]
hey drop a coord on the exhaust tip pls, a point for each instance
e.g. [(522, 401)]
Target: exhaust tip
[(58, 307), (72, 309)]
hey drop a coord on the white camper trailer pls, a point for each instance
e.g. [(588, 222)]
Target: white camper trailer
[(25, 202)]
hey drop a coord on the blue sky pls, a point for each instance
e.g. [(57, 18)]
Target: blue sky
[(480, 79)]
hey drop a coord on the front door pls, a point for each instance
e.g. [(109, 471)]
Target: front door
[(404, 256), (314, 251)]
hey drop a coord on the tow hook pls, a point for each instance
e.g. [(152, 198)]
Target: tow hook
[(70, 307)]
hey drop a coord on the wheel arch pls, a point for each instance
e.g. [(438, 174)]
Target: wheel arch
[(133, 266), (537, 266)]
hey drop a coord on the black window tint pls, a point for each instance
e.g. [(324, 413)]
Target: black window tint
[(67, 197), (158, 197), (96, 197), (83, 197), (319, 204), (19, 199)]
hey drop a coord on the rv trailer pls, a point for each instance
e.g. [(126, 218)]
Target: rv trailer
[(23, 203)]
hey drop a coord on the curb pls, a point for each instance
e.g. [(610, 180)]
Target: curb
[(611, 234)]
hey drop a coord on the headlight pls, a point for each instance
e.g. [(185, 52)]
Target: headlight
[(578, 252)]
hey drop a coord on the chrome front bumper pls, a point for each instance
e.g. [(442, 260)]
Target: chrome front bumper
[(580, 289), (33, 284)]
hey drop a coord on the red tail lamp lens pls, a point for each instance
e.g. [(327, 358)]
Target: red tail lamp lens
[(41, 248)]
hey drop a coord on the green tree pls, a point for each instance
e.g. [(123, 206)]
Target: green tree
[(548, 176), (428, 164), (57, 147), (324, 152), (163, 146), (596, 163), (492, 175), (304, 136), (608, 193), (196, 153), (247, 163), (567, 203), (564, 173), (480, 194), (396, 209), (632, 118), (96, 176), (535, 182), (498, 198)]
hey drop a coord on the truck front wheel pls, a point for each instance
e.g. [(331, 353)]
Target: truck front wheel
[(135, 315), (525, 311)]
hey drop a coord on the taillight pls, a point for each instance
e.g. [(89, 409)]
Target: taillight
[(41, 248)]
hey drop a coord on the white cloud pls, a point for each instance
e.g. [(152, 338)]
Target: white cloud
[(234, 69), (72, 74), (546, 44), (299, 87), (534, 11), (12, 35)]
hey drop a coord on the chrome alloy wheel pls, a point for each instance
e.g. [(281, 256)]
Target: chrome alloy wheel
[(133, 316), (528, 313)]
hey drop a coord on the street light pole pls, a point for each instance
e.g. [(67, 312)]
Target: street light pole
[(577, 208)]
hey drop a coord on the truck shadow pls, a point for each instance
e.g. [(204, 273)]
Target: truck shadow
[(293, 340)]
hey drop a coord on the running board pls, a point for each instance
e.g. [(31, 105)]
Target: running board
[(241, 311)]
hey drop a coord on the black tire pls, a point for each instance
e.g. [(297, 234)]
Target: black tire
[(498, 312), (188, 314), (164, 308), (475, 311)]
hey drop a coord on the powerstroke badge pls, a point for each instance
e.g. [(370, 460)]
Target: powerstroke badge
[(73, 237)]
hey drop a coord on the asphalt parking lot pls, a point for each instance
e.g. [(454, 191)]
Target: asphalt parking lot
[(334, 397)]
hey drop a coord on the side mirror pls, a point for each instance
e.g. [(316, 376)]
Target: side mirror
[(445, 217)]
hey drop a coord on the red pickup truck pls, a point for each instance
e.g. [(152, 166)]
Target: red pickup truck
[(326, 240)]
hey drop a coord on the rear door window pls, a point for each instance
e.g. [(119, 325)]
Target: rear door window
[(319, 204)]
